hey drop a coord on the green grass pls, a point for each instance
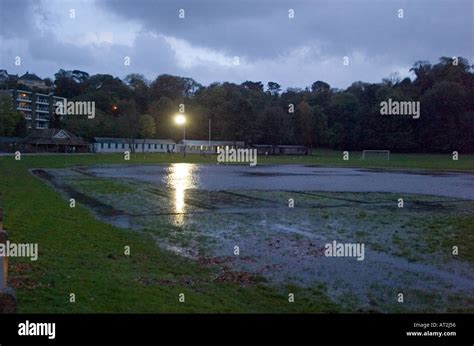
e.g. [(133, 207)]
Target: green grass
[(81, 255), (319, 157), (463, 237), (102, 186), (398, 161)]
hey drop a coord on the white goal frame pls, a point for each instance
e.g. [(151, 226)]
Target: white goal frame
[(376, 151)]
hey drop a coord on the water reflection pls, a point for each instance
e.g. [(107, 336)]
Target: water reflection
[(180, 177)]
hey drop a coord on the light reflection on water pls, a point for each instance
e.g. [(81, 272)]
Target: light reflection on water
[(180, 177)]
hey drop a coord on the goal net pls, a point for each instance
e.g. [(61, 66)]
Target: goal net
[(376, 155)]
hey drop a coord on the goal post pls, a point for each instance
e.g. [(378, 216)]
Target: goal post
[(375, 154)]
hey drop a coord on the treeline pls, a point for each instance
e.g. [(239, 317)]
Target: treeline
[(317, 116)]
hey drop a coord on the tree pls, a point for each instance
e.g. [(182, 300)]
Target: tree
[(318, 115), (440, 126), (258, 86), (79, 76), (273, 88), (341, 120), (9, 119), (65, 86), (163, 111), (112, 86), (320, 87), (307, 124), (146, 126), (141, 92), (274, 121), (173, 87), (136, 81), (127, 122), (320, 94), (422, 71), (320, 127)]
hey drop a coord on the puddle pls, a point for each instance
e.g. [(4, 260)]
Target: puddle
[(295, 178)]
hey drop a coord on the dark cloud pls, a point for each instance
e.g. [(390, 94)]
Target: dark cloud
[(262, 29), (293, 52), (15, 17)]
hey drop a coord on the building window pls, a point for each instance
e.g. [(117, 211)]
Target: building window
[(109, 145)]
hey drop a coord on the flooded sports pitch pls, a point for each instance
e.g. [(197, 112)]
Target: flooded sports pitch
[(273, 224)]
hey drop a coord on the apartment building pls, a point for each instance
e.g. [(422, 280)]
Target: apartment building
[(38, 109)]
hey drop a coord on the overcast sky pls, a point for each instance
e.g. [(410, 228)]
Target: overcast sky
[(203, 45)]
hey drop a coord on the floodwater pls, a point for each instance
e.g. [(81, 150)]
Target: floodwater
[(295, 178), (204, 211)]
